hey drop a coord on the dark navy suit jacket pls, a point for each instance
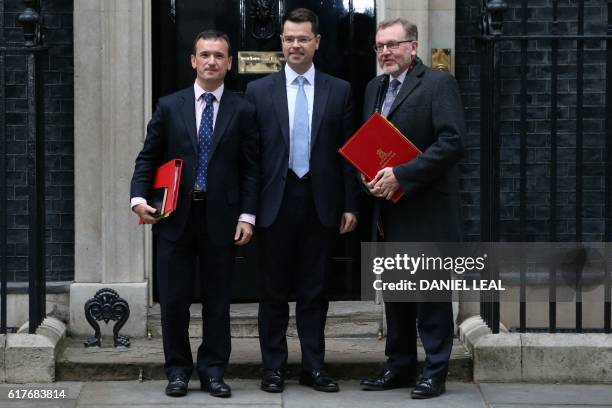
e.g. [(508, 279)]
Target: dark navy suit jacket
[(233, 172), (334, 184)]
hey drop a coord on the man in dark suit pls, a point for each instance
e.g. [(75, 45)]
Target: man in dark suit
[(308, 195), (425, 105), (213, 131)]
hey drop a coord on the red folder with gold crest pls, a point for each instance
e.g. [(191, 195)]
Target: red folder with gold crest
[(376, 145)]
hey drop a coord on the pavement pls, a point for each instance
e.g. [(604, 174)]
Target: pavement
[(246, 394)]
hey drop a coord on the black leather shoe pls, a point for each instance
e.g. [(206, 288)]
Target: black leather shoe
[(177, 387), (387, 380), (428, 388), (318, 380), (273, 380), (216, 387)]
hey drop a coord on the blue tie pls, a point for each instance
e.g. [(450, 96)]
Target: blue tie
[(301, 132), (205, 133)]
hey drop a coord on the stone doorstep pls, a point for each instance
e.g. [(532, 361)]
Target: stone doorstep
[(539, 358), (353, 350), (344, 319), (346, 358)]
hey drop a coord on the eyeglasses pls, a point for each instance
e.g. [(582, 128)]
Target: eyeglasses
[(392, 45), (300, 40)]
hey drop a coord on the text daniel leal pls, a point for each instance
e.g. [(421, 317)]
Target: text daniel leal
[(446, 284)]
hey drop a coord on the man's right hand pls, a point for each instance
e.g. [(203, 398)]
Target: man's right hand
[(145, 212)]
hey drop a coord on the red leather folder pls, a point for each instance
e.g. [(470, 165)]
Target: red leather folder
[(376, 145), (168, 176)]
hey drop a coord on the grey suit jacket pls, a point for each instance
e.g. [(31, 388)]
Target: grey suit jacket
[(429, 112)]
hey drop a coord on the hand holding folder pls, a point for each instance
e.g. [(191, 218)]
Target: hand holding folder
[(164, 192), (376, 145)]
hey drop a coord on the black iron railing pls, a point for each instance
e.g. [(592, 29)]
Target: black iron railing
[(491, 40), (33, 52), (3, 201)]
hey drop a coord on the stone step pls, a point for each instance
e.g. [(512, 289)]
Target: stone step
[(346, 358), (344, 319)]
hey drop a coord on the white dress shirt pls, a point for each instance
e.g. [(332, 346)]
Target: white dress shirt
[(292, 90)]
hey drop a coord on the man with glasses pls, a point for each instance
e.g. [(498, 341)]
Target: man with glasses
[(424, 104), (308, 196)]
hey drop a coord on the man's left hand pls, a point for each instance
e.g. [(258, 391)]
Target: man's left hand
[(244, 232), (348, 222), (384, 184)]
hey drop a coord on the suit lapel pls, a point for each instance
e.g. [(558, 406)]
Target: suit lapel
[(412, 81), (225, 114), (279, 95), (188, 111), (372, 95), (321, 93)]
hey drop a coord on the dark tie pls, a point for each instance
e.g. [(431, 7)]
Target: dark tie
[(205, 133), (394, 87)]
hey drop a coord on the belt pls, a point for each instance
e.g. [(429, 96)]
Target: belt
[(291, 174), (199, 195)]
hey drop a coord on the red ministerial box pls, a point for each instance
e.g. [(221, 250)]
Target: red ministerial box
[(376, 145), (168, 176)]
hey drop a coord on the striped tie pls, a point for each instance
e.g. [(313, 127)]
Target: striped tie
[(394, 87)]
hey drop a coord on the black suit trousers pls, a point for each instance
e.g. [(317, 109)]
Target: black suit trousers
[(176, 266), (434, 321), (294, 254)]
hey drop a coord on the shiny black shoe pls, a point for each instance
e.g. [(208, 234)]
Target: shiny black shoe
[(318, 380), (428, 388), (273, 381), (387, 380), (216, 387), (177, 387)]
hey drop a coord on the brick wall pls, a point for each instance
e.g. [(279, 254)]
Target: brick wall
[(538, 122), (59, 152)]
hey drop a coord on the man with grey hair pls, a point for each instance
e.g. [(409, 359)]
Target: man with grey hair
[(424, 104)]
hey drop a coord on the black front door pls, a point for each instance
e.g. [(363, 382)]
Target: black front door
[(347, 29)]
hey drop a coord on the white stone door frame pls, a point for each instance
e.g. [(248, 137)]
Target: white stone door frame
[(112, 93)]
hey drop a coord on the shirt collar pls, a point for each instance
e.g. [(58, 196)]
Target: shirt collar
[(401, 77), (198, 91), (290, 74), (411, 66)]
